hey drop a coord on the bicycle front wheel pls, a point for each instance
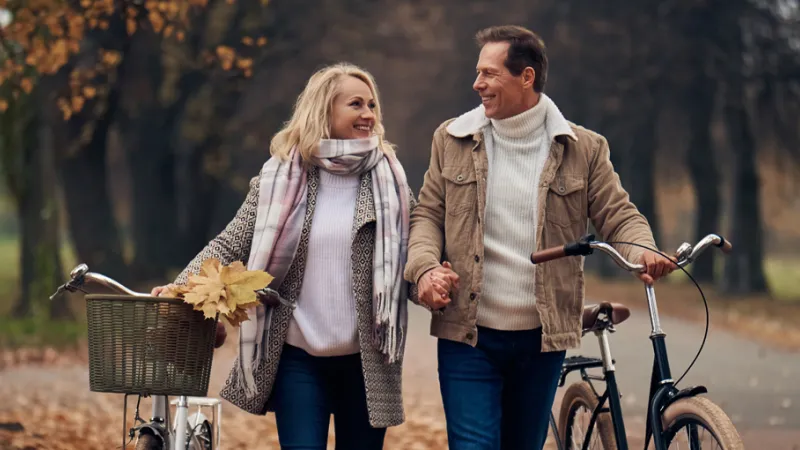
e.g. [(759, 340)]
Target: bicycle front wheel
[(147, 441), (698, 423), (575, 416)]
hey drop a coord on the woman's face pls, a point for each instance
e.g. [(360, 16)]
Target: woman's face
[(352, 112)]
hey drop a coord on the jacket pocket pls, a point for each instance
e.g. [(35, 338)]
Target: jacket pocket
[(460, 190), (565, 201)]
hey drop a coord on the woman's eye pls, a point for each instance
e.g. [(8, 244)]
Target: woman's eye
[(372, 106), (355, 103)]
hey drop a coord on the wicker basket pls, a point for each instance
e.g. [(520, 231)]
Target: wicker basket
[(148, 346)]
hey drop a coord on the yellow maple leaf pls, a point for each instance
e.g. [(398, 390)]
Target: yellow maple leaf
[(210, 310), (226, 290)]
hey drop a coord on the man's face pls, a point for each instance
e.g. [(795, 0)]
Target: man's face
[(501, 92)]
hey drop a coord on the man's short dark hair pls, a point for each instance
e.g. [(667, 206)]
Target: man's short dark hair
[(525, 49)]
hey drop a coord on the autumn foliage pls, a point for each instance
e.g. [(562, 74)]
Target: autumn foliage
[(44, 34)]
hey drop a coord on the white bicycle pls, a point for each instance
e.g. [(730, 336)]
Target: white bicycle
[(150, 347)]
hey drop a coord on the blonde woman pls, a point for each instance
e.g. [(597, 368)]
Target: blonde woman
[(328, 216)]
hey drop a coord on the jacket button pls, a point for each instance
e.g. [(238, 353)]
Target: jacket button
[(561, 189), (477, 258), (469, 336), (460, 177)]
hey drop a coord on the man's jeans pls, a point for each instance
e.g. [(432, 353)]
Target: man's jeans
[(309, 389), (498, 395)]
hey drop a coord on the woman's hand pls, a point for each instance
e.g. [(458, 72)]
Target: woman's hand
[(158, 290), (222, 333)]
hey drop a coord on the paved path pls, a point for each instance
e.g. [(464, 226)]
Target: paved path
[(758, 387)]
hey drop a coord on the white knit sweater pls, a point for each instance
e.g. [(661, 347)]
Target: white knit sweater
[(517, 149), (324, 322)]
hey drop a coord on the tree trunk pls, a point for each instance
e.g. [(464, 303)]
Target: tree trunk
[(640, 176), (83, 168), (146, 129), (40, 260), (744, 270), (703, 169)]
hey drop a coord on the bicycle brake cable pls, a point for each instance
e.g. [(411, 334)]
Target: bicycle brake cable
[(702, 295)]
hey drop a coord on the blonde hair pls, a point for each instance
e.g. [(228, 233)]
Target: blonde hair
[(311, 116)]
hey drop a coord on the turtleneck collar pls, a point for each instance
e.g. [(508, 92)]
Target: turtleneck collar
[(523, 124)]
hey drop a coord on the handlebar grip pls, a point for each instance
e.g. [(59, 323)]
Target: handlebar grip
[(548, 254), (725, 245)]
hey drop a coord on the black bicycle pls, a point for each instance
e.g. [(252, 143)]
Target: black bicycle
[(676, 418)]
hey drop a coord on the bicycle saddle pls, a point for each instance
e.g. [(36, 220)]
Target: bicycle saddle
[(615, 312)]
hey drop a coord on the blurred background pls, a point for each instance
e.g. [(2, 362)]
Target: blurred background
[(129, 130)]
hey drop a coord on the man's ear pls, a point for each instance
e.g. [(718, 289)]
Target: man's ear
[(528, 77)]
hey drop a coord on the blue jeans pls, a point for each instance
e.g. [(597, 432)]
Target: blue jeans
[(309, 389), (498, 395)]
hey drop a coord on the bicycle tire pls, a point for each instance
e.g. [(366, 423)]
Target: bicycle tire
[(702, 411), (147, 441), (579, 395)]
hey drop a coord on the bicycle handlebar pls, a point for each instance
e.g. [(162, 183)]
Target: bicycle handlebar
[(684, 256), (81, 278)]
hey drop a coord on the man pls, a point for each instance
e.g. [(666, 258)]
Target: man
[(505, 179)]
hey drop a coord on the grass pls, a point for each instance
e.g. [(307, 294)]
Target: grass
[(32, 332), (18, 333), (783, 278)]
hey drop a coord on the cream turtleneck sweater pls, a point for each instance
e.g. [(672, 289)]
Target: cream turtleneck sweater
[(517, 148)]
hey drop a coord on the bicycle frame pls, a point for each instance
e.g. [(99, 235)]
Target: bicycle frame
[(662, 387)]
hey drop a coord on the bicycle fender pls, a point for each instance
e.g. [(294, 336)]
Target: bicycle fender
[(155, 429), (692, 391)]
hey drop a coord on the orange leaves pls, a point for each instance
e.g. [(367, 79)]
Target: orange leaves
[(226, 56), (43, 35), (27, 85), (229, 58), (110, 58), (157, 21)]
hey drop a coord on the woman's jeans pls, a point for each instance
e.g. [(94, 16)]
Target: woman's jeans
[(308, 389)]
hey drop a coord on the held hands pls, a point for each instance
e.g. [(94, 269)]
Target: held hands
[(436, 284), (222, 333), (657, 266)]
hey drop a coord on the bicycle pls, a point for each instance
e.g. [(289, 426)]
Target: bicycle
[(150, 346), (669, 410)]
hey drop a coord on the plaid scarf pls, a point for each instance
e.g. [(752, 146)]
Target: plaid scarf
[(282, 205)]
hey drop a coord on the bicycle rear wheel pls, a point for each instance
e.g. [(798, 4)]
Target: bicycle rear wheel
[(698, 423), (576, 413)]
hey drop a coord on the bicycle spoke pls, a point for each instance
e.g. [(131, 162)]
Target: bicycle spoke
[(579, 429), (694, 436)]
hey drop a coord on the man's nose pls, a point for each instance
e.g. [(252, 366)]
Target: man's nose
[(479, 84)]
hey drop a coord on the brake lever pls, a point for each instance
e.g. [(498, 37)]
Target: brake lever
[(271, 297)]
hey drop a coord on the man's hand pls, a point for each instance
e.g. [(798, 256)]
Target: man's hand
[(657, 267), (435, 286)]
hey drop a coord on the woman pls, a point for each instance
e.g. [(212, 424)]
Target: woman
[(328, 218)]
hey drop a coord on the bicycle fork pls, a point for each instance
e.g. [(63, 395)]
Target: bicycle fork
[(174, 438)]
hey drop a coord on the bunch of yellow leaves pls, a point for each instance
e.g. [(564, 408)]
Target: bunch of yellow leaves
[(227, 290)]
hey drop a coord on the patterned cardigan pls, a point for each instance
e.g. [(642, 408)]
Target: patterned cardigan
[(382, 381)]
